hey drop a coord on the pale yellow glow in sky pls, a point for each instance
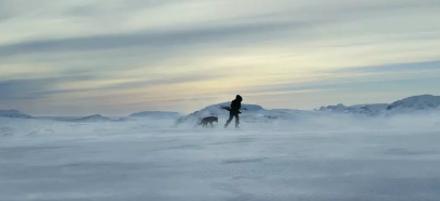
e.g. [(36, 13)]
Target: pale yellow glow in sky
[(121, 56)]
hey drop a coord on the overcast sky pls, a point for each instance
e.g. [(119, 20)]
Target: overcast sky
[(75, 57)]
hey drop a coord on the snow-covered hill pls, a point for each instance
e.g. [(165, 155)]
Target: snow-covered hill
[(14, 114), (256, 113), (250, 113), (414, 104), (156, 115), (93, 118), (365, 109)]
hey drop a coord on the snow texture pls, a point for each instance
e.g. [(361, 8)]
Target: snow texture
[(293, 155)]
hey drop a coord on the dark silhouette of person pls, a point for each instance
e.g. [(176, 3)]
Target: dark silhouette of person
[(234, 111)]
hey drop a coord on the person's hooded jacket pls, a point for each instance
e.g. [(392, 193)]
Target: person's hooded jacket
[(236, 104)]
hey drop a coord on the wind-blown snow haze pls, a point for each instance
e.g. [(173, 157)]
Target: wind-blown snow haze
[(133, 100), (368, 152)]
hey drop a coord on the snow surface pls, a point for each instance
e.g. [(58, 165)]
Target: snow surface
[(343, 153), (324, 157)]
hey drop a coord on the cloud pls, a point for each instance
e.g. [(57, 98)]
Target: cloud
[(245, 26), (171, 51), (396, 67), (412, 77), (32, 88), (39, 88), (145, 39)]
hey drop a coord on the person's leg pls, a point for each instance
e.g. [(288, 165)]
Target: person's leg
[(237, 121), (229, 120)]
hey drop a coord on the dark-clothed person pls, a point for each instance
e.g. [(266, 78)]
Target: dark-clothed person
[(234, 111)]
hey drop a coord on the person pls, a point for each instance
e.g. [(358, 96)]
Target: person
[(234, 111)]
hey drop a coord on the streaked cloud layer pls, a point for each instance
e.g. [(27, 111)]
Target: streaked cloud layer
[(116, 57)]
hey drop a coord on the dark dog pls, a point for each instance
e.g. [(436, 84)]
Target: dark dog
[(208, 120)]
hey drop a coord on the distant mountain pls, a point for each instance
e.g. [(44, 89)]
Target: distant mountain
[(365, 109), (156, 115), (14, 114), (412, 104), (252, 112), (415, 103), (93, 118)]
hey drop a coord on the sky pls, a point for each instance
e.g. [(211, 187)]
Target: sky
[(115, 57)]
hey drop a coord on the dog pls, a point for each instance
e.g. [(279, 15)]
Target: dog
[(208, 120)]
